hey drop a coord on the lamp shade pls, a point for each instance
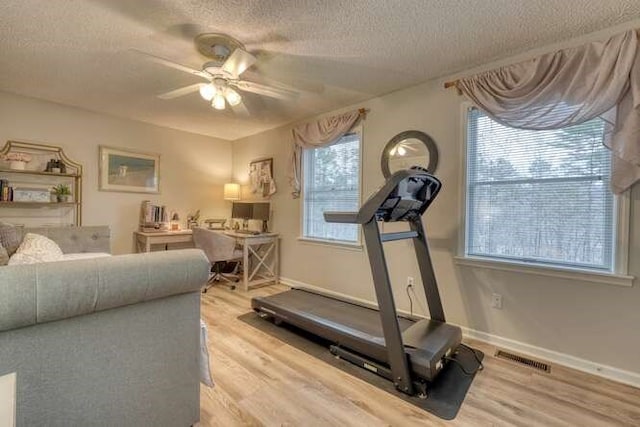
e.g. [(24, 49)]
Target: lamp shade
[(218, 101), (232, 191), (233, 97), (207, 91)]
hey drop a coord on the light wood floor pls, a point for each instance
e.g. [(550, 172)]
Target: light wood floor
[(263, 381)]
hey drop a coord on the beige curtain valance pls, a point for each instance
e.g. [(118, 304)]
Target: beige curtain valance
[(320, 133), (569, 87)]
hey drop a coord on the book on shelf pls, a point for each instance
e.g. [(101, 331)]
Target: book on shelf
[(6, 191), (153, 217)]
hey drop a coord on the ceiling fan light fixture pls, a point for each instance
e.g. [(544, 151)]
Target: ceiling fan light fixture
[(233, 97), (229, 59), (207, 91), (218, 101)]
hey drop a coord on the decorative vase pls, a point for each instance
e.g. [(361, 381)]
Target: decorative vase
[(64, 198)]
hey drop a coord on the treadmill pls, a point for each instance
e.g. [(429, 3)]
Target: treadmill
[(408, 352)]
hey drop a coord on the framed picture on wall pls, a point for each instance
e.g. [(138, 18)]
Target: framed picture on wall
[(261, 177), (129, 171)]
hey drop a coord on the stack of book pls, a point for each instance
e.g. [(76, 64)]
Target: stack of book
[(153, 217), (6, 191)]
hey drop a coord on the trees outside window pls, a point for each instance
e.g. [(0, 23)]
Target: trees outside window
[(331, 183), (539, 196)]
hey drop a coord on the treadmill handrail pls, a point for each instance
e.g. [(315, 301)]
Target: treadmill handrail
[(341, 217), (368, 210)]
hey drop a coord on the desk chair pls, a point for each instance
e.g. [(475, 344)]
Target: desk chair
[(221, 251)]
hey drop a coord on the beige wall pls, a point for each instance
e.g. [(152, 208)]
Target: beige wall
[(596, 322), (193, 168)]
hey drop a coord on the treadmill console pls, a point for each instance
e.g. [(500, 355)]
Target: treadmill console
[(410, 197)]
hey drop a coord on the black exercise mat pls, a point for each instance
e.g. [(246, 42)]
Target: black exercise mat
[(446, 394)]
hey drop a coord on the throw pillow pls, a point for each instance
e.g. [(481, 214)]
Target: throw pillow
[(4, 256), (34, 249), (10, 237)]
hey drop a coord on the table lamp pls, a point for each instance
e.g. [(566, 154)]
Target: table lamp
[(231, 191)]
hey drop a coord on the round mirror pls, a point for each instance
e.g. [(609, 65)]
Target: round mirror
[(409, 148)]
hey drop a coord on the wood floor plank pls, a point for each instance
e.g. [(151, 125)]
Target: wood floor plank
[(593, 383), (359, 392), (261, 380), (220, 409), (288, 381)]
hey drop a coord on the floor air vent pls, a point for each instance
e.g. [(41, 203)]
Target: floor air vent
[(501, 354)]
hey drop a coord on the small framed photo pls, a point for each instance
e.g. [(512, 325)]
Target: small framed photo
[(261, 177), (128, 171)]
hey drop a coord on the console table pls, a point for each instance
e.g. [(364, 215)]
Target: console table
[(144, 240), (260, 262)]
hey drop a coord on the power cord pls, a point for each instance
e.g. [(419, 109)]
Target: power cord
[(462, 368), (475, 355), (410, 300), (457, 362), (413, 291)]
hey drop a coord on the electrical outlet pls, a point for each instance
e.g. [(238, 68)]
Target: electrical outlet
[(410, 281), (496, 301)]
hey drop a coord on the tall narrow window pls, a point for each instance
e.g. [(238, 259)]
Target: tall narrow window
[(539, 196), (331, 183)]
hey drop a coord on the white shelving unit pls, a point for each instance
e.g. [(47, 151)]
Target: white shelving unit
[(41, 213)]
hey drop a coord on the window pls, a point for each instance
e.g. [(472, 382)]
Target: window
[(539, 196), (331, 182)]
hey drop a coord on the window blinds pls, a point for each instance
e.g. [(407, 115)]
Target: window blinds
[(331, 183), (539, 196)]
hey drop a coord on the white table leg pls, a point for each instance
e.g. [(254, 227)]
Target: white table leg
[(245, 266), (276, 261)]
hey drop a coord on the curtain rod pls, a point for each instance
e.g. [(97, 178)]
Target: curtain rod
[(454, 83)]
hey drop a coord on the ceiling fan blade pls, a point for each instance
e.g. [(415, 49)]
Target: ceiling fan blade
[(274, 67), (241, 110), (238, 62), (171, 64), (265, 90), (295, 83), (180, 91)]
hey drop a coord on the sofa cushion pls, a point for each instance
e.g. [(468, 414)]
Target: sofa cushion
[(4, 256), (36, 248), (73, 240), (10, 237)]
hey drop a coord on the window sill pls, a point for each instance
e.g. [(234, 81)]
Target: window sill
[(331, 244), (548, 271)]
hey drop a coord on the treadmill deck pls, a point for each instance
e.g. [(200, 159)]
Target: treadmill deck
[(356, 327)]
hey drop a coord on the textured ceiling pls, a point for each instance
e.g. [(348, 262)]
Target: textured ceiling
[(338, 52)]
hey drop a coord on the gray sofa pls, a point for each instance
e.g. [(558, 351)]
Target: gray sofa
[(108, 341)]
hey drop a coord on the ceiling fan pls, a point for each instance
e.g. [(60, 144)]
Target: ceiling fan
[(229, 60)]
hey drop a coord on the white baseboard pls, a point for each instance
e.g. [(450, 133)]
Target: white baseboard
[(609, 372), (564, 359)]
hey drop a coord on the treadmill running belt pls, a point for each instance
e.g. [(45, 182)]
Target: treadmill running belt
[(354, 326)]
